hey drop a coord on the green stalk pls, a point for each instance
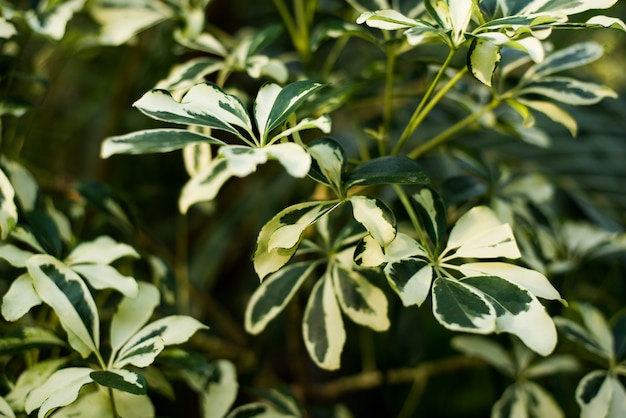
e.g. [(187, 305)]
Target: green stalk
[(423, 109), (452, 130), (412, 216), (113, 406)]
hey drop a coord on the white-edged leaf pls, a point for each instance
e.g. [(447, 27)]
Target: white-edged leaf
[(569, 90), (123, 380), (221, 391), (531, 280), (243, 160), (152, 141), (274, 293), (132, 313), (564, 7), (386, 19), (20, 298), (329, 161), (376, 217), (67, 294), (553, 112), (196, 157), (183, 76), (322, 326), (411, 279), (515, 309), (459, 307), (567, 58), (580, 335), (51, 19), (540, 402), (598, 327), (29, 337), (368, 253), (483, 59), (607, 22), (512, 404), (487, 350), (103, 276), (258, 66), (31, 378), (5, 408), (98, 404), (263, 106), (8, 210), (61, 389), (102, 250), (204, 185), (594, 393), (557, 363), (359, 299), (292, 156), (323, 123), (24, 183), (431, 211), (173, 329), (460, 14), (288, 100)]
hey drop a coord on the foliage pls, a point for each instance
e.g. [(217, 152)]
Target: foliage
[(417, 205)]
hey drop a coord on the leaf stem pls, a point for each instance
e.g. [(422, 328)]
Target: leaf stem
[(424, 107), (411, 212), (449, 133), (113, 406)]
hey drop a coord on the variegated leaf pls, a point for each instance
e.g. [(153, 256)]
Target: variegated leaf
[(132, 313), (554, 112), (243, 160), (531, 280), (411, 279), (221, 391), (20, 298), (30, 379), (386, 19), (185, 75), (460, 12), (274, 293), (292, 156), (103, 276), (256, 410), (141, 354), (28, 337), (153, 141), (567, 58), (568, 90), (279, 238), (580, 335), (607, 22), (323, 123), (368, 253), (102, 250), (515, 309), (263, 106), (376, 217), (204, 185), (564, 7), (512, 404), (287, 101), (8, 210), (483, 58), (459, 307), (594, 394), (598, 327), (329, 162), (557, 363), (24, 184), (51, 19), (61, 389), (123, 380), (359, 299), (322, 326), (98, 404), (431, 212), (487, 350), (67, 294)]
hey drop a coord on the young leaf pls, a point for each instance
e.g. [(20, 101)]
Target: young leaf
[(20, 298), (387, 170), (152, 141), (274, 293), (8, 210), (459, 307), (124, 380), (515, 309), (431, 212), (376, 217), (66, 293), (410, 278), (386, 19), (102, 250), (221, 391), (322, 326), (292, 156), (61, 389), (359, 299)]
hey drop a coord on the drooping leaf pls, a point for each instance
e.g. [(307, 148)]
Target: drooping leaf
[(8, 210), (411, 279), (487, 350), (359, 299), (66, 293), (102, 250), (124, 380), (322, 326), (387, 170), (563, 7), (376, 217), (20, 298), (29, 337), (462, 308), (152, 141), (515, 309), (274, 293), (61, 389), (221, 391), (431, 212)]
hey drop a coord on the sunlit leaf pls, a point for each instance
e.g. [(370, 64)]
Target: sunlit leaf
[(386, 19), (204, 185), (554, 112), (594, 394), (288, 100), (565, 59), (51, 18), (184, 76), (292, 156), (483, 57)]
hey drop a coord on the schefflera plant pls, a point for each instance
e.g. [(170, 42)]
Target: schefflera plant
[(471, 289), (207, 106), (341, 286)]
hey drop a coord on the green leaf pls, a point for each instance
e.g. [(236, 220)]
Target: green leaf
[(102, 250), (221, 391), (568, 90), (322, 326), (185, 75), (204, 104), (287, 102), (66, 293), (28, 337), (387, 170), (479, 233), (431, 212), (8, 210), (515, 309), (329, 162), (459, 307), (359, 299), (410, 278), (124, 380), (279, 238), (376, 217), (619, 334), (274, 293), (20, 298), (152, 141), (487, 350), (482, 59), (204, 185), (132, 313), (61, 389)]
